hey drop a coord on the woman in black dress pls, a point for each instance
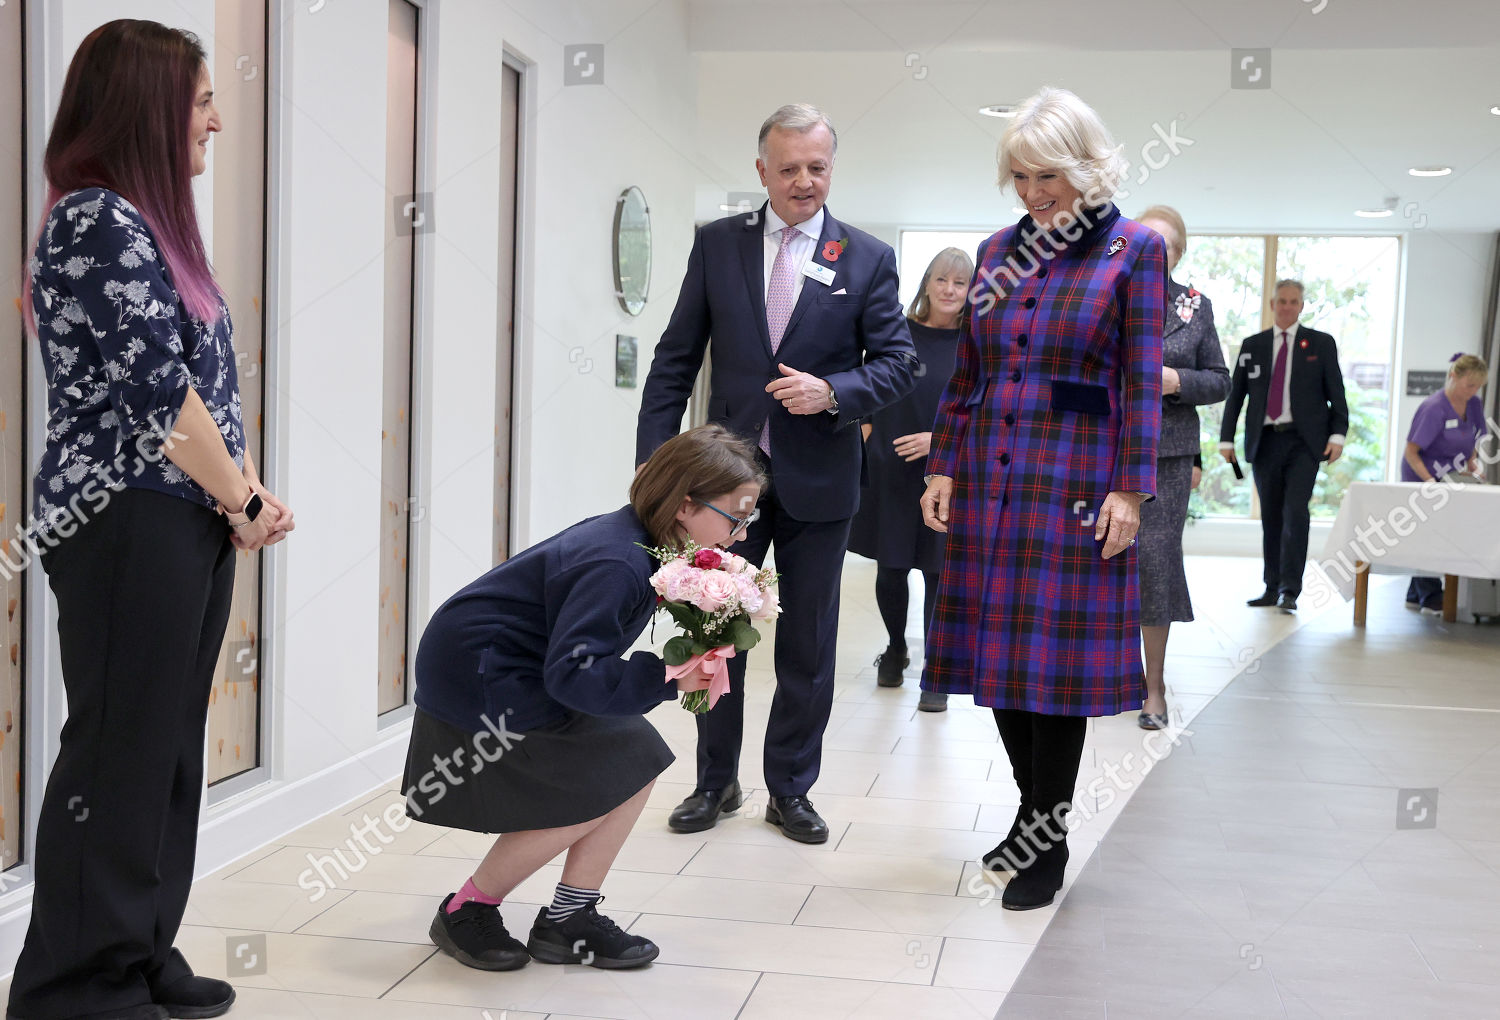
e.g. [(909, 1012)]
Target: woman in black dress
[(888, 527)]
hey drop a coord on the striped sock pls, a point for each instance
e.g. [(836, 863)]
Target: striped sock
[(568, 901)]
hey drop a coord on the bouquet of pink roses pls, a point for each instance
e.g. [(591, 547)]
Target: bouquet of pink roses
[(715, 597)]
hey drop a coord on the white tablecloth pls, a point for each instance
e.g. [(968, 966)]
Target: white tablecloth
[(1415, 528)]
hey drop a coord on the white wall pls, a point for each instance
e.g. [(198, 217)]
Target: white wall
[(577, 430)]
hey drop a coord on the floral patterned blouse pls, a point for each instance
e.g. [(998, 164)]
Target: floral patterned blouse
[(119, 352)]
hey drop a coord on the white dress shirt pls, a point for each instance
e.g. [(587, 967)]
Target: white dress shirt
[(804, 245)]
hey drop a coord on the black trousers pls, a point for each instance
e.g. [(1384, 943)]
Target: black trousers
[(810, 560), (143, 592), (1285, 472)]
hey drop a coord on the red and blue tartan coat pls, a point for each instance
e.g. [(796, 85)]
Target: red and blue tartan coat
[(1056, 402)]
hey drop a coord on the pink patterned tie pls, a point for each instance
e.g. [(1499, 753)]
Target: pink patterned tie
[(1278, 381), (778, 309)]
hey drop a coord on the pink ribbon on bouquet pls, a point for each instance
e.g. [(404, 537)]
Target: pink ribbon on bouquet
[(716, 660)]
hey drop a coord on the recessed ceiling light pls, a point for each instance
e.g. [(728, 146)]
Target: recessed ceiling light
[(1430, 171), (998, 110), (1374, 214)]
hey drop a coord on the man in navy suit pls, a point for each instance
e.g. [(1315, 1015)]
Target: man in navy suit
[(807, 337), (1297, 416)]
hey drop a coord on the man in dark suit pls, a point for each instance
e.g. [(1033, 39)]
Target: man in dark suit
[(807, 338), (1297, 417)]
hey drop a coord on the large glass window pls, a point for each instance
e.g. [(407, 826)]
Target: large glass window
[(1351, 292), (239, 249), (408, 217)]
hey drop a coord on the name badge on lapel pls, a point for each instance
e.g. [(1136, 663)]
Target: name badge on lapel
[(1451, 423), (821, 273)]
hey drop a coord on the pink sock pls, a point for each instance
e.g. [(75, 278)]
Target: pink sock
[(470, 891)]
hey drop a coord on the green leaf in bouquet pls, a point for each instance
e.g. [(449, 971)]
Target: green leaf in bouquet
[(742, 634), (687, 617), (679, 650)]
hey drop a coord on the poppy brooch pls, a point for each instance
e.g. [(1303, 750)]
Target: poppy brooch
[(1117, 245), (833, 249), (1188, 303)]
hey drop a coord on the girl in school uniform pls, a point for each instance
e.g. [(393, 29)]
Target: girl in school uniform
[(529, 718)]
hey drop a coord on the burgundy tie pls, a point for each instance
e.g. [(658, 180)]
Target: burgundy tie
[(1278, 382)]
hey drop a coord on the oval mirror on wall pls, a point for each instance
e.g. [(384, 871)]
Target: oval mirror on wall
[(632, 250)]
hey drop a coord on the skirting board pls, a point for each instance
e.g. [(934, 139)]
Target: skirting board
[(242, 825)]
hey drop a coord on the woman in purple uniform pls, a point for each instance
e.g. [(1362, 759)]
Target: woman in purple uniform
[(1441, 442)]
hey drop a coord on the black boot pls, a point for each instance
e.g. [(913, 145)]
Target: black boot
[(1036, 884), (1010, 854), (1016, 735), (1056, 749)]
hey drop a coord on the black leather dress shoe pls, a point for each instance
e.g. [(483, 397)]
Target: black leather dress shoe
[(796, 819), (194, 997), (702, 810), (1287, 603), (1268, 599)]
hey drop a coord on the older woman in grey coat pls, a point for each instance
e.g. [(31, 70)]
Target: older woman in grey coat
[(1193, 373)]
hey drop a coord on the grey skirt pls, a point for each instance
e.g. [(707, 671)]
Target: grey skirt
[(1164, 590), (568, 772)]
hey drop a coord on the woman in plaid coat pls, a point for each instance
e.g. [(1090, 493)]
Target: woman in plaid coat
[(1043, 448)]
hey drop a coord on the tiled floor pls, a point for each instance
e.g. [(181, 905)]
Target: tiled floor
[(893, 918), (1278, 866)]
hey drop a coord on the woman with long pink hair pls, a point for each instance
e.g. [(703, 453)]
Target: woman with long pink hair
[(142, 494)]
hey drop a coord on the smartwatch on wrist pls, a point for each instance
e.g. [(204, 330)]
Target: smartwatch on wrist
[(251, 511)]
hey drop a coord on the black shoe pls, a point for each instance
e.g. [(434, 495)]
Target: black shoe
[(796, 819), (588, 937), (888, 666), (1153, 721), (475, 936), (1268, 599), (193, 997), (1036, 885), (1287, 603), (931, 701), (702, 810)]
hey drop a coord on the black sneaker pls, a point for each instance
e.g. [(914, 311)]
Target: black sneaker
[(475, 936), (588, 937), (888, 667)]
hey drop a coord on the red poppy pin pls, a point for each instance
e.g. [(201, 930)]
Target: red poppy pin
[(1118, 244), (833, 249), (1302, 344)]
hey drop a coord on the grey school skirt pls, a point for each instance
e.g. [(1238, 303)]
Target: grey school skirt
[(567, 772)]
